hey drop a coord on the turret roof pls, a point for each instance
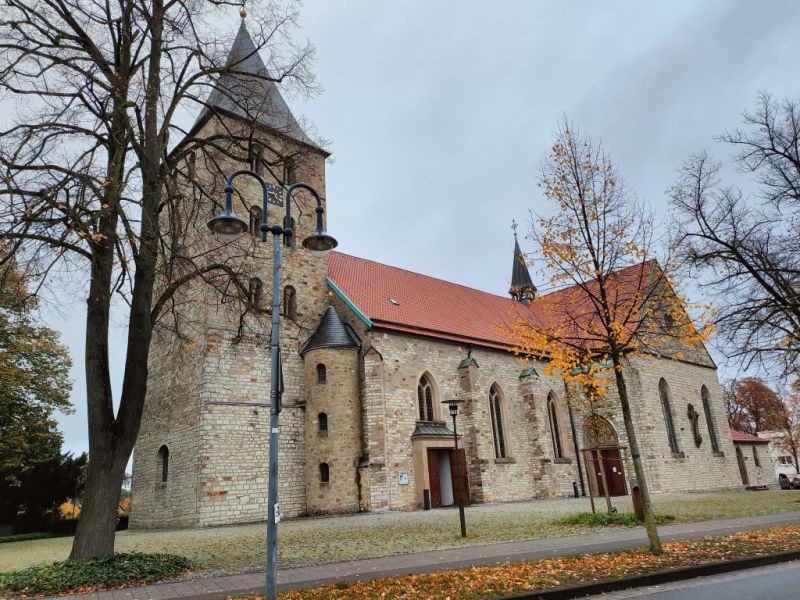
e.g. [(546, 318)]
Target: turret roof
[(331, 333), (520, 276)]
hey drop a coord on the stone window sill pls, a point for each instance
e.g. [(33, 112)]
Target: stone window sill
[(562, 461), (505, 461), (680, 455), (718, 454), (322, 434)]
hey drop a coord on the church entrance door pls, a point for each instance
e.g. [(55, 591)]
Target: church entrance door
[(605, 459), (612, 465), (440, 477)]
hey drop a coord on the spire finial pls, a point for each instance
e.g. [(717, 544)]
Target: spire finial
[(514, 227), (243, 11)]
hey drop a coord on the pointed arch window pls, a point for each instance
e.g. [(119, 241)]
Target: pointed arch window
[(255, 221), (322, 373), (289, 302), (498, 424), (288, 172), (666, 407), (425, 399), (163, 460), (555, 426), (256, 159), (254, 293), (324, 473), (712, 430)]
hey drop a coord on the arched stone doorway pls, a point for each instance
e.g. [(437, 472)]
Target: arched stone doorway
[(742, 466), (602, 444)]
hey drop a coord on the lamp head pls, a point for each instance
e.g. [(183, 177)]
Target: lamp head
[(227, 226), (320, 243), (452, 405)]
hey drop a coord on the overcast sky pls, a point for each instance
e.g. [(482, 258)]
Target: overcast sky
[(440, 112)]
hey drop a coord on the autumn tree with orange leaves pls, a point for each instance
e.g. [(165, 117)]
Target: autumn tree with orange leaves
[(614, 300)]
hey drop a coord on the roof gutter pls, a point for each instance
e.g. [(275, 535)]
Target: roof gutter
[(349, 303)]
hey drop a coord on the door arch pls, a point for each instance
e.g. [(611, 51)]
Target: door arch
[(742, 466)]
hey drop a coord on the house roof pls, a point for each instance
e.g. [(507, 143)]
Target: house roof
[(400, 300), (746, 438), (247, 92)]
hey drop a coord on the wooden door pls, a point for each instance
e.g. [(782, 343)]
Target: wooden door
[(458, 469), (612, 461), (612, 467), (433, 477)]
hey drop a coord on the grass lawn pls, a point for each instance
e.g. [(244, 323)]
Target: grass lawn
[(318, 540)]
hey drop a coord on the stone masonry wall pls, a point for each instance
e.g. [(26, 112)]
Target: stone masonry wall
[(217, 394), (172, 418), (340, 446), (698, 469), (761, 472)]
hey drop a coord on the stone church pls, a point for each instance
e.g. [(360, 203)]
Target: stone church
[(370, 352)]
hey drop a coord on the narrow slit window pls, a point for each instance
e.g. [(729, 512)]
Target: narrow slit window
[(555, 427), (289, 302), (663, 391), (254, 293), (712, 430), (498, 427), (322, 373), (163, 460), (322, 423), (324, 473), (255, 221)]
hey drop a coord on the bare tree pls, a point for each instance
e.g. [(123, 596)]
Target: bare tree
[(744, 249), (96, 189)]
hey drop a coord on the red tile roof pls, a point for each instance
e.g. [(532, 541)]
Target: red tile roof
[(401, 300), (422, 304), (741, 436)]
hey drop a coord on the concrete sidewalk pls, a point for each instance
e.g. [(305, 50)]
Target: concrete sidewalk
[(212, 588)]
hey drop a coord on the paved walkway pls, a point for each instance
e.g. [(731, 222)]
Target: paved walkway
[(212, 588)]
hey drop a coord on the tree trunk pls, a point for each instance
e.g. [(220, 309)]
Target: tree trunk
[(638, 466), (97, 524)]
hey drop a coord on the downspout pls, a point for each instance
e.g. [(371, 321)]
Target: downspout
[(574, 439)]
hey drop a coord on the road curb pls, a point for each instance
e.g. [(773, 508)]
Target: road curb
[(656, 578)]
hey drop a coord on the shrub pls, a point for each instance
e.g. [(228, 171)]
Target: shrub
[(587, 519), (97, 573), (24, 537), (64, 527)]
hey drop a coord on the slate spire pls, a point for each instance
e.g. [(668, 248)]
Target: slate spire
[(331, 333), (245, 93), (522, 288)]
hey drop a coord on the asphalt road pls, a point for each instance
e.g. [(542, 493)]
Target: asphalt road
[(775, 582)]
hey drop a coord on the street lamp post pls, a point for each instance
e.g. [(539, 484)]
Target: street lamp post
[(227, 227), (452, 405)]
